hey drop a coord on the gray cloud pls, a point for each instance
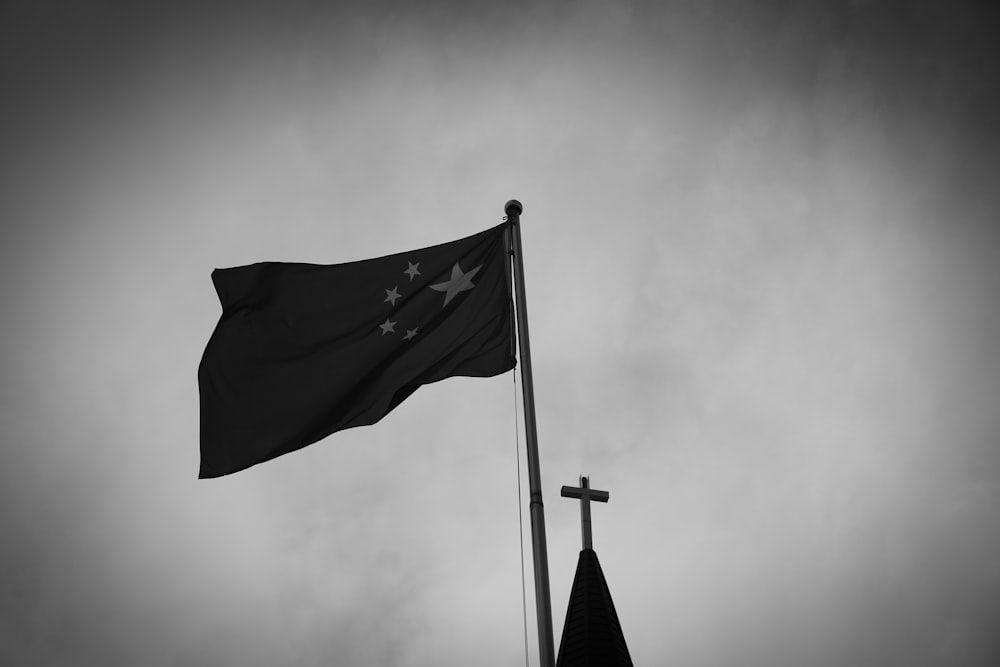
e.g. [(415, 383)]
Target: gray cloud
[(761, 258)]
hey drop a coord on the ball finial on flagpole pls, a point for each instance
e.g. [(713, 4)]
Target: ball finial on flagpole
[(515, 205)]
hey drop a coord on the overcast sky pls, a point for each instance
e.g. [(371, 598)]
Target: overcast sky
[(763, 269)]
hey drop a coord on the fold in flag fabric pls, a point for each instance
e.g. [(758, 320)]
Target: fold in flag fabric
[(304, 350)]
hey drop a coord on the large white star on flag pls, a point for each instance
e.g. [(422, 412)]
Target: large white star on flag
[(459, 282)]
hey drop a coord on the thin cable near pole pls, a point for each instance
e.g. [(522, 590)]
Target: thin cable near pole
[(543, 604)]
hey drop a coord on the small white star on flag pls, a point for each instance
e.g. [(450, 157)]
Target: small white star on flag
[(412, 270), (387, 327), (392, 295), (459, 282), (410, 333)]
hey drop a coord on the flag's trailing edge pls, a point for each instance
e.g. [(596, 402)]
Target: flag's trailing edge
[(304, 350)]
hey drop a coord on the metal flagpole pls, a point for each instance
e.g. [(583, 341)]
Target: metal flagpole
[(543, 602)]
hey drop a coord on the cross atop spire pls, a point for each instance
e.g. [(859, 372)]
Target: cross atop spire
[(585, 494)]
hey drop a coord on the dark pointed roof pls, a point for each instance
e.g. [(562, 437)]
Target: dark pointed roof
[(592, 635)]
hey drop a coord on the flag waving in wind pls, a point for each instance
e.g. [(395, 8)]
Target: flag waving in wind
[(304, 350)]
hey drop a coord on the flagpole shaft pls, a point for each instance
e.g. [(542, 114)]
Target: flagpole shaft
[(543, 602)]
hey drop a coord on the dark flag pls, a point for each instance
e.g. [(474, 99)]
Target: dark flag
[(304, 350)]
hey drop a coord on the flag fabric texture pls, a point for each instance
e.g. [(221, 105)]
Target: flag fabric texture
[(304, 350)]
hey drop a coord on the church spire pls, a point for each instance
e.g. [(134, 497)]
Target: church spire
[(592, 635)]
